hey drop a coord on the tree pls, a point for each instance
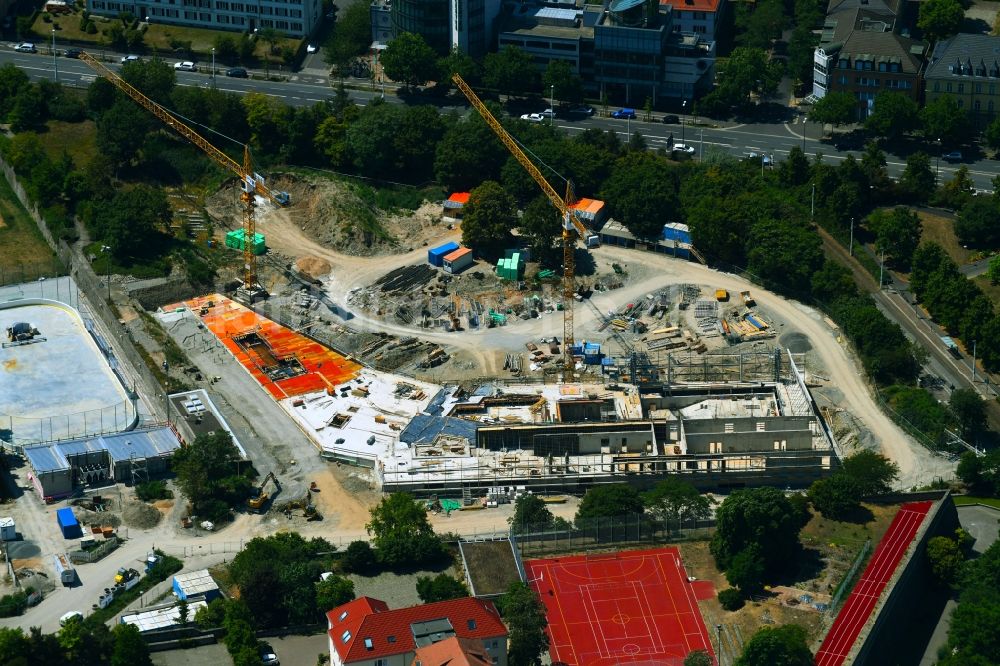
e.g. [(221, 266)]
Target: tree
[(976, 223), (154, 78), (401, 533), (873, 473), (835, 108), (183, 611), (777, 646), (918, 180), (129, 221), (897, 233), (440, 588), (698, 658), (130, 647), (731, 599), (746, 571), (541, 226), (121, 131), (332, 592), (524, 616), (409, 60), (459, 62), (14, 646), (748, 71), (835, 497), (992, 134), (957, 192), (489, 217), (784, 253), (801, 49), (640, 192), (759, 516), (674, 501), (561, 82), (940, 18), (510, 71), (970, 410), (358, 558), (993, 272), (945, 559), (351, 37), (832, 281), (943, 119), (468, 154), (530, 513), (207, 470), (892, 115), (609, 501)]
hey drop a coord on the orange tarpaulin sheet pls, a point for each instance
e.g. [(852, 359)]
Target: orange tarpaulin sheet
[(324, 368)]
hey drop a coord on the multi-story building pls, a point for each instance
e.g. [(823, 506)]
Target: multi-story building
[(364, 632), (295, 18), (444, 24), (701, 17), (865, 50), (630, 51), (967, 68)]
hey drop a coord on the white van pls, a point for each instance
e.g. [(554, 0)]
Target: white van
[(70, 616)]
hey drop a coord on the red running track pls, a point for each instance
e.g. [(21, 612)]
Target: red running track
[(633, 607), (860, 604)]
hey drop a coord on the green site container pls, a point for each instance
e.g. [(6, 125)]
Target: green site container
[(234, 240)]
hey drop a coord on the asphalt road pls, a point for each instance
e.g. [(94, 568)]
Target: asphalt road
[(311, 85)]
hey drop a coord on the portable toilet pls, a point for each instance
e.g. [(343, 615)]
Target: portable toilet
[(8, 530)]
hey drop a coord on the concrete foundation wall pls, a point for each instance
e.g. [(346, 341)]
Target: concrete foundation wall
[(911, 594)]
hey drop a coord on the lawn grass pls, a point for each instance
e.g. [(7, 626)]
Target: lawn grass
[(966, 500), (991, 290), (79, 140), (941, 230), (823, 531), (158, 38), (23, 251)]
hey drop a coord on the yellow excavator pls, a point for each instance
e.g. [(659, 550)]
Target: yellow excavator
[(257, 502)]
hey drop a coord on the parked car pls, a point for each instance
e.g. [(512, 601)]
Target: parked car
[(623, 114), (671, 119), (129, 58), (185, 66), (582, 109), (533, 117), (310, 49), (237, 73), (547, 113), (953, 156), (72, 53), (25, 47), (683, 148), (268, 656)]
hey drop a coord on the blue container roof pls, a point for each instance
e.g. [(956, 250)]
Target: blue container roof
[(66, 517), (444, 249)]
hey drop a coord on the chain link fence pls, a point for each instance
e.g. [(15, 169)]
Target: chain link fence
[(134, 370), (587, 533)]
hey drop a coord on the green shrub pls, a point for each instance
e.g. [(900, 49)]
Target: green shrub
[(13, 604), (153, 490), (731, 599)]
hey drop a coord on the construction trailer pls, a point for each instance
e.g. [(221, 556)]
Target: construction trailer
[(64, 570), (457, 261), (68, 523), (195, 585), (436, 255), (8, 529)]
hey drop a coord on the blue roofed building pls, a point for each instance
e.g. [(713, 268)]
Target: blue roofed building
[(59, 468)]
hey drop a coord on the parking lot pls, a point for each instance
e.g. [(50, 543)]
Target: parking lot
[(291, 651)]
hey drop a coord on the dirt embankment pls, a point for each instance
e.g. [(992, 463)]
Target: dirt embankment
[(336, 214)]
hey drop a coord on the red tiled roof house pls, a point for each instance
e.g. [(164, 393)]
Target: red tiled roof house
[(364, 632)]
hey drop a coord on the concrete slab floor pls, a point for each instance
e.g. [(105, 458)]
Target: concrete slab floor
[(60, 387)]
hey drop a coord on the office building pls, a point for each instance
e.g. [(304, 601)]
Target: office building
[(295, 18), (967, 68)]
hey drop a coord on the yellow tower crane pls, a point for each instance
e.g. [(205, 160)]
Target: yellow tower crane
[(252, 183), (571, 224)]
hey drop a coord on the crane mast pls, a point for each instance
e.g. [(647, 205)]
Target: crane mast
[(571, 225), (251, 184)]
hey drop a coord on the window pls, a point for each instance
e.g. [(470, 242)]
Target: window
[(975, 105), (842, 80), (961, 103), (471, 623), (948, 86), (993, 89), (368, 644), (882, 66), (346, 636), (937, 86), (961, 88), (979, 88), (342, 616), (381, 662), (391, 639), (859, 65), (989, 106)]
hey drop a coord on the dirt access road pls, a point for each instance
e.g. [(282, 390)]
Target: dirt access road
[(917, 465)]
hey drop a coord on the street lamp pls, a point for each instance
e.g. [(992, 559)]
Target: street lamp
[(684, 104), (213, 66), (552, 104), (937, 165), (107, 268), (718, 634), (55, 65), (881, 268), (850, 249)]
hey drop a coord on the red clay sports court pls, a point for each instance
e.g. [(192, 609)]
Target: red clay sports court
[(632, 607), (860, 604)]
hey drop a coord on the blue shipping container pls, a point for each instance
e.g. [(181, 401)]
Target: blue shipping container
[(68, 523), (435, 256), (677, 232)]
